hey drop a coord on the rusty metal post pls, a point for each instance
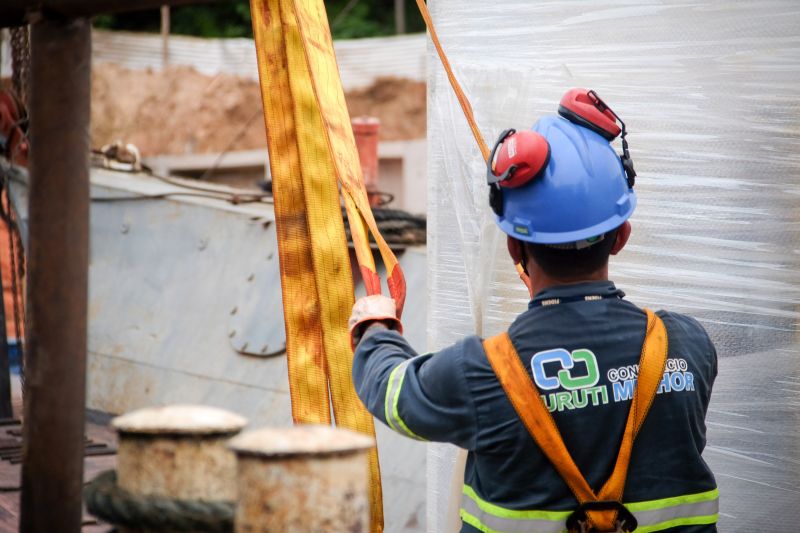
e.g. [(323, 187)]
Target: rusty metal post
[(178, 452), (302, 479), (365, 131), (165, 25), (52, 471), (399, 17)]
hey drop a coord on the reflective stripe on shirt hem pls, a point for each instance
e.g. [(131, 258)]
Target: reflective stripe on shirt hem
[(653, 515), (472, 515), (390, 403)]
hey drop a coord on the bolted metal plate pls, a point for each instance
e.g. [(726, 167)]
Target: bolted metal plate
[(255, 326)]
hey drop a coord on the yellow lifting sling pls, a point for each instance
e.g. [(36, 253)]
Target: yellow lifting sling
[(311, 144), (537, 419)]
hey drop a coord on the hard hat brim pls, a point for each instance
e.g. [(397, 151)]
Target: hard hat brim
[(522, 229)]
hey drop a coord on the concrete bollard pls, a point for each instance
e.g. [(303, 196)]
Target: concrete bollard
[(305, 479), (178, 452)]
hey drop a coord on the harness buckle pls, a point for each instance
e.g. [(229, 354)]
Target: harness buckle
[(578, 521)]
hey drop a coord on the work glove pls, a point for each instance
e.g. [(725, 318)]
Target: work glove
[(369, 309)]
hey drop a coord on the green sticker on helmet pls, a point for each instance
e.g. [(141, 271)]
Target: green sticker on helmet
[(522, 230)]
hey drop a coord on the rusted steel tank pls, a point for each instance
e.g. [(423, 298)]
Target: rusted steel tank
[(303, 479)]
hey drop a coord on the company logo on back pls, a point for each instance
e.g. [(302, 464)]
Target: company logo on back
[(578, 373)]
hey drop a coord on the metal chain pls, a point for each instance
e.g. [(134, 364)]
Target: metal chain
[(20, 62)]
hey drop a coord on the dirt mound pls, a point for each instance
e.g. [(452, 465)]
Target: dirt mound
[(400, 104), (180, 111)]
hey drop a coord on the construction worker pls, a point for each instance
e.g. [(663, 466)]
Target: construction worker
[(588, 413)]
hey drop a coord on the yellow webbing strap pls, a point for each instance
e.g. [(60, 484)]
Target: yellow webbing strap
[(338, 134), (532, 411), (311, 144)]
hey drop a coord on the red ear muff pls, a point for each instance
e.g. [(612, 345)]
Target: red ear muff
[(584, 108), (587, 109), (517, 158)]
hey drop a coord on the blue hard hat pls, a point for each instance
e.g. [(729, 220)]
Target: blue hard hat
[(582, 193)]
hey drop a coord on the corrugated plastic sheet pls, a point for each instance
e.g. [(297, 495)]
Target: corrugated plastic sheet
[(360, 60), (709, 93)]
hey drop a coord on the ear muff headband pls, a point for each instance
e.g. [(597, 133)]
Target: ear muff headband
[(580, 121), (587, 109), (491, 177)]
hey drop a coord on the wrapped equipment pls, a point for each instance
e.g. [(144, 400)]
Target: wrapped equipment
[(708, 93)]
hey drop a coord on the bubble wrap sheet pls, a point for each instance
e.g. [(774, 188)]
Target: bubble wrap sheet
[(708, 91)]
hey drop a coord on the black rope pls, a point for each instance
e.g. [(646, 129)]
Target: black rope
[(397, 214), (398, 227), (108, 502)]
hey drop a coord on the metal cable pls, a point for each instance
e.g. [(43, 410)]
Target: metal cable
[(202, 191), (235, 199), (213, 168)]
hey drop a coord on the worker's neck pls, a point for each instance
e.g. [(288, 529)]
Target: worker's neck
[(541, 281)]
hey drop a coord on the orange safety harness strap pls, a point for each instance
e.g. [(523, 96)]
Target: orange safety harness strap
[(462, 99), (527, 402)]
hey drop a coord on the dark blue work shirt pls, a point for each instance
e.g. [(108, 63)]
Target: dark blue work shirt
[(583, 356)]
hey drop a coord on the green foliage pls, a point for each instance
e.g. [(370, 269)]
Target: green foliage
[(349, 19), (225, 19), (352, 19)]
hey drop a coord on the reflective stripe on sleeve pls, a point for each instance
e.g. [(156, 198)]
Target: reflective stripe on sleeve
[(391, 413), (653, 515)]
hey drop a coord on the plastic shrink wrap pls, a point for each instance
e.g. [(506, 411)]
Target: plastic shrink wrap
[(708, 91)]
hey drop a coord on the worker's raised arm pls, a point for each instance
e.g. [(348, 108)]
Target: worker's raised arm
[(425, 397)]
